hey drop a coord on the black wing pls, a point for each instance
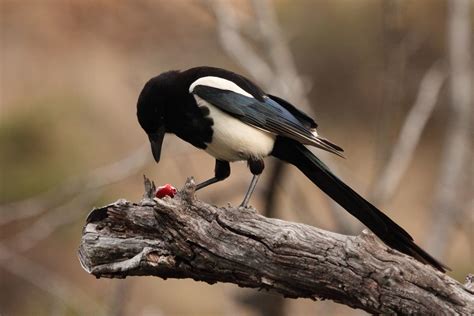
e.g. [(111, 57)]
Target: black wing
[(300, 115), (268, 115)]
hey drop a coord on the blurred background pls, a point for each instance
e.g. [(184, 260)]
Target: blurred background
[(389, 81)]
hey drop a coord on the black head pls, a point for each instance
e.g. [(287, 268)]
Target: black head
[(151, 109)]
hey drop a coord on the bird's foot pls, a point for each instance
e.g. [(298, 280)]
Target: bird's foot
[(244, 204)]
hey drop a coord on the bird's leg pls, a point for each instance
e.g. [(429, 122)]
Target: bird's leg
[(252, 186), (221, 171), (256, 167)]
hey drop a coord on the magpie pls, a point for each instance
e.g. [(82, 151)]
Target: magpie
[(232, 119)]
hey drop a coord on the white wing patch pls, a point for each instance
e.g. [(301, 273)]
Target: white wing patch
[(219, 83), (314, 132), (233, 140)]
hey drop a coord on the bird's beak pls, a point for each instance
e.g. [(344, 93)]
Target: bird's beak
[(156, 140)]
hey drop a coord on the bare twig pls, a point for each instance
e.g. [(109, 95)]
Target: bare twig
[(278, 75), (50, 222), (94, 179), (287, 82), (186, 238), (49, 282), (413, 126), (235, 46), (458, 142)]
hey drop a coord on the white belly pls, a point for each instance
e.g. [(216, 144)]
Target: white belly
[(234, 140)]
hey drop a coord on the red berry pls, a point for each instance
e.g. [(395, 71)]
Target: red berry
[(165, 190)]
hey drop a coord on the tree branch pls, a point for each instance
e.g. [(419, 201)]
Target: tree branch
[(187, 238)]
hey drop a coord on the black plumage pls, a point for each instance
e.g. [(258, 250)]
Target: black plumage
[(233, 119)]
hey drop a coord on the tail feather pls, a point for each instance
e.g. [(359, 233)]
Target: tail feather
[(327, 145), (387, 230)]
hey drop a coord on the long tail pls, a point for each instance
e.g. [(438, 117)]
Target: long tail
[(387, 230)]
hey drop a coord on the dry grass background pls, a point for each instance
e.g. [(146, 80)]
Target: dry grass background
[(71, 72)]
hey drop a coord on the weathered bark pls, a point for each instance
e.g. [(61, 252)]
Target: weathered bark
[(187, 238)]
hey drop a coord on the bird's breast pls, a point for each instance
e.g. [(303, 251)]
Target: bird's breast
[(233, 140)]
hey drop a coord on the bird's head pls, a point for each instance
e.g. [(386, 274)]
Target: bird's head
[(152, 109)]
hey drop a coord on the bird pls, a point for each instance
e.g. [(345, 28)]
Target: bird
[(233, 119)]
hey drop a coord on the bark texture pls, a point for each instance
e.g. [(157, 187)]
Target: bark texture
[(183, 237)]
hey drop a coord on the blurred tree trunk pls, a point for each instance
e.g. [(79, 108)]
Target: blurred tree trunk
[(455, 178), (394, 58)]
